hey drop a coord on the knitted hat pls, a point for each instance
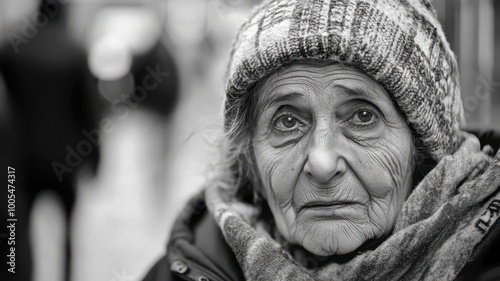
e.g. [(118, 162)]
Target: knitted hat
[(398, 43)]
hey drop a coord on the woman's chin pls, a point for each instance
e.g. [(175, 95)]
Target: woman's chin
[(332, 243), (341, 248)]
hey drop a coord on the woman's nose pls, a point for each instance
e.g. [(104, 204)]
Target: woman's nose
[(323, 160)]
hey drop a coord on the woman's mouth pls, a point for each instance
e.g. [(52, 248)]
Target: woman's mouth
[(328, 209)]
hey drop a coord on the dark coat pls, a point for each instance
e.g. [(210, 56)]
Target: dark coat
[(198, 251)]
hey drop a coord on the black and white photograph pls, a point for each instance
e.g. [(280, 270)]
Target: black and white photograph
[(233, 140)]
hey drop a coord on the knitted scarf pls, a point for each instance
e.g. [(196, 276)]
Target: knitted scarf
[(447, 215)]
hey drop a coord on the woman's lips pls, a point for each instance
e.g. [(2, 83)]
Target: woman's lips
[(328, 209)]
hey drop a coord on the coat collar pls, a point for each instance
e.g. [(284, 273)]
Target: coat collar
[(197, 250)]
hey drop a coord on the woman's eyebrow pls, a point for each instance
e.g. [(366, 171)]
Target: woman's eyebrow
[(270, 101), (357, 91), (343, 92)]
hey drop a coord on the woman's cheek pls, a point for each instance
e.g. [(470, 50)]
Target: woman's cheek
[(282, 169), (386, 165), (279, 169), (385, 171), (373, 171)]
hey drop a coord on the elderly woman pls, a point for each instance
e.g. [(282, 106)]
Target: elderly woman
[(343, 156)]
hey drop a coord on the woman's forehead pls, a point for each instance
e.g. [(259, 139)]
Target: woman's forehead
[(306, 78)]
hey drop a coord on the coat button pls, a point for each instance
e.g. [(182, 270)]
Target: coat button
[(203, 278), (179, 267)]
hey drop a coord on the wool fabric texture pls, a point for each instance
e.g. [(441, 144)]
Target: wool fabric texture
[(399, 43), (436, 232)]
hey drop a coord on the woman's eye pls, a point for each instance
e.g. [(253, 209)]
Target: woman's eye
[(287, 123), (363, 117)]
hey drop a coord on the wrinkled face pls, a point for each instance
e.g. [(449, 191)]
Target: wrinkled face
[(335, 156)]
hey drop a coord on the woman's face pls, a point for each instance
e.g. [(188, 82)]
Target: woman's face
[(335, 156)]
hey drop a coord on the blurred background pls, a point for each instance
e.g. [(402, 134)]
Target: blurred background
[(104, 105)]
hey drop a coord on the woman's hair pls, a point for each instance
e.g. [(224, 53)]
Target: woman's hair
[(235, 170)]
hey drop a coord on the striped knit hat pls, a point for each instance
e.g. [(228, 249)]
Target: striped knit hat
[(399, 43)]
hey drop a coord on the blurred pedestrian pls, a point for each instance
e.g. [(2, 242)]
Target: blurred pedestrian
[(46, 77)]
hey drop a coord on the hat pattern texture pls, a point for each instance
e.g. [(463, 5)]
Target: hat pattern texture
[(398, 43)]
